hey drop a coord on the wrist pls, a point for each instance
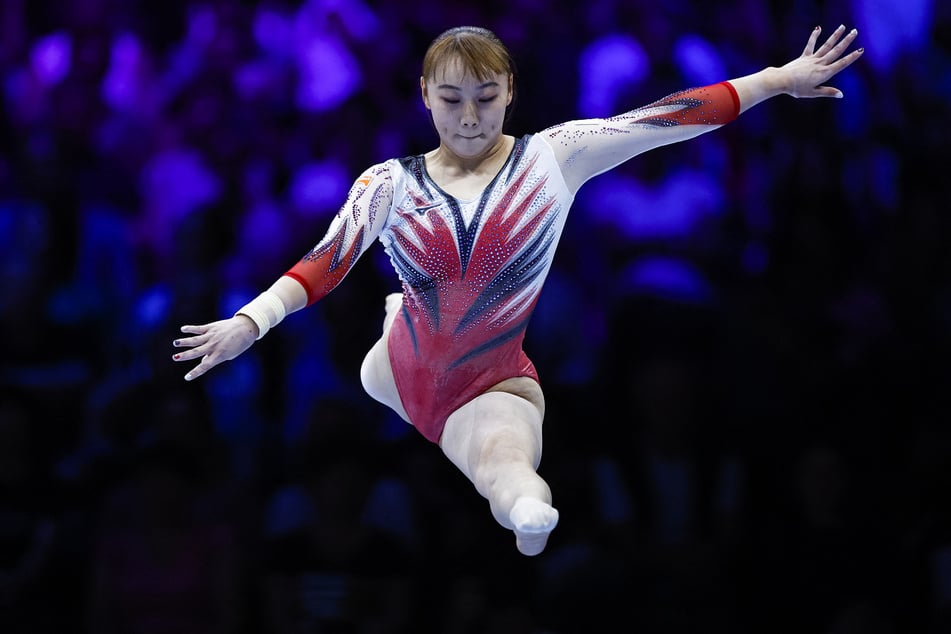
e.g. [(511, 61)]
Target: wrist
[(775, 81), (266, 311), (784, 82), (251, 324)]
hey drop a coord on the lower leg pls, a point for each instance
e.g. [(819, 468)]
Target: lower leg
[(519, 498), (495, 440)]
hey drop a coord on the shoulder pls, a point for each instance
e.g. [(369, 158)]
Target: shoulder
[(532, 142), (537, 144), (383, 168), (382, 173)]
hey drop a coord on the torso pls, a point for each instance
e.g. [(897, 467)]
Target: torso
[(472, 267)]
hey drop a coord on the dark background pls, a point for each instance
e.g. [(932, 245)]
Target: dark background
[(743, 340)]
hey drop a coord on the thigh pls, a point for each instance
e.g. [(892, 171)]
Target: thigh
[(508, 416), (376, 375)]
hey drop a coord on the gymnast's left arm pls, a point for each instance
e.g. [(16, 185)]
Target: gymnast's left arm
[(588, 147)]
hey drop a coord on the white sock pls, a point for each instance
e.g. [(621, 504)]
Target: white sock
[(533, 520)]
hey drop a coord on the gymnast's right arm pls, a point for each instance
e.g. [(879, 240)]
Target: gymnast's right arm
[(356, 225)]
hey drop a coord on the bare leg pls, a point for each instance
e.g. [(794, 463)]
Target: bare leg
[(376, 375), (496, 441)]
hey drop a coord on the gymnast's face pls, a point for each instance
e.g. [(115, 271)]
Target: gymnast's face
[(468, 112)]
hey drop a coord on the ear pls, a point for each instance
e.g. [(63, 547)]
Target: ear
[(511, 93), (424, 92)]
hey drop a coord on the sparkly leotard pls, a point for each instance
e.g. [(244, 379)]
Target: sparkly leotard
[(472, 270)]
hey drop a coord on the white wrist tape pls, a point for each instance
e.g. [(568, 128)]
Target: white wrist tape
[(266, 310)]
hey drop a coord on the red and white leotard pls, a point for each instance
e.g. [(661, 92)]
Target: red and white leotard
[(472, 270)]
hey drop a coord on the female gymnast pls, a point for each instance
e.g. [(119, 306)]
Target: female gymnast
[(471, 228)]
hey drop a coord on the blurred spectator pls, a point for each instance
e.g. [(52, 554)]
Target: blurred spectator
[(340, 534), (29, 520), (159, 565)]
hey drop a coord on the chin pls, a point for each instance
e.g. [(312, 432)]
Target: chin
[(470, 149)]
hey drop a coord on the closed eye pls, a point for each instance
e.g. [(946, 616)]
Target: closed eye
[(481, 100)]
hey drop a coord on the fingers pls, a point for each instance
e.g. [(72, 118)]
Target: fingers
[(828, 91), (203, 366), (830, 41), (188, 355), (835, 45), (811, 43), (202, 335), (841, 47), (196, 349), (837, 64), (846, 61), (190, 342), (199, 369)]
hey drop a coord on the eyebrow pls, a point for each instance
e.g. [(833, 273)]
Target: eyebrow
[(488, 84)]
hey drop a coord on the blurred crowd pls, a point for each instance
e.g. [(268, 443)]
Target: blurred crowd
[(743, 339)]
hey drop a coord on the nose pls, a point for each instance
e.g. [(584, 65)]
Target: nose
[(470, 115)]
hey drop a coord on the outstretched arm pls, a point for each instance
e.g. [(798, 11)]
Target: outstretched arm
[(354, 228), (588, 147)]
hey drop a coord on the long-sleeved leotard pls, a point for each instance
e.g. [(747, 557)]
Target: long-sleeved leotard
[(472, 270)]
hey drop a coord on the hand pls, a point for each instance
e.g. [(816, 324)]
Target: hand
[(806, 75), (215, 343)]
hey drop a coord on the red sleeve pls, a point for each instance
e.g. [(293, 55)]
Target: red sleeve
[(715, 104), (733, 96), (352, 230), (327, 264)]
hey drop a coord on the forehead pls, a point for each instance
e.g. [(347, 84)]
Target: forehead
[(454, 71)]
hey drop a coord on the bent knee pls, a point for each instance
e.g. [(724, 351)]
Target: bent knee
[(392, 307), (376, 376), (370, 375)]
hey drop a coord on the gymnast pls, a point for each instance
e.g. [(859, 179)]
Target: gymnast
[(471, 228)]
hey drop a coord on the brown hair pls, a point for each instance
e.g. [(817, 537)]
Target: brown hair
[(481, 52)]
